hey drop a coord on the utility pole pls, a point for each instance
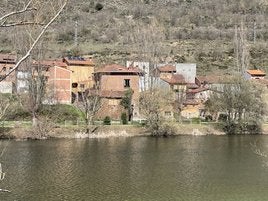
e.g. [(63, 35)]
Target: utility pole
[(254, 32), (76, 34)]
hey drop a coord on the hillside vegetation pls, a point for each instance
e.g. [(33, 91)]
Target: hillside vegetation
[(200, 31)]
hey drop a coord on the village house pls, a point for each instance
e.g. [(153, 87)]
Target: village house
[(58, 81), (191, 109), (113, 81), (82, 73), (185, 91), (255, 74), (177, 86), (165, 71), (7, 63)]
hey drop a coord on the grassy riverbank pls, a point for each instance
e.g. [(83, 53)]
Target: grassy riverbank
[(102, 131), (105, 131)]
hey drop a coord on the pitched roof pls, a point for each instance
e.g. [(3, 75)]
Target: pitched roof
[(107, 93), (192, 86), (115, 68), (175, 79), (8, 58), (112, 94), (256, 72), (51, 63), (198, 90), (78, 61), (167, 68)]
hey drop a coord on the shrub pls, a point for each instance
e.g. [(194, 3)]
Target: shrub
[(107, 120), (222, 117), (98, 6), (60, 112), (196, 120), (124, 118), (166, 129), (208, 118)]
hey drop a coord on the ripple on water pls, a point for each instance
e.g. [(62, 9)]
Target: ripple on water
[(183, 168)]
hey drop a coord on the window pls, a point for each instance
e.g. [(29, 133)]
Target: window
[(113, 102), (74, 85), (126, 83), (82, 86), (168, 113), (4, 69)]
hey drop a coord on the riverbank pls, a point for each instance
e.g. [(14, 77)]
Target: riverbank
[(103, 131)]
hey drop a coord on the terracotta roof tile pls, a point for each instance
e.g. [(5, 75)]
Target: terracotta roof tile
[(175, 79), (115, 68), (200, 89), (192, 86), (8, 58), (167, 68), (51, 63), (256, 72), (78, 61)]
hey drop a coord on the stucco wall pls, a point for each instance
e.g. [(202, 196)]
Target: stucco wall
[(82, 74)]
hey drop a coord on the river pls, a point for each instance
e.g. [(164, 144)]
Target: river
[(183, 168)]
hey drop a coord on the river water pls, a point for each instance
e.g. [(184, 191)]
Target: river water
[(216, 168)]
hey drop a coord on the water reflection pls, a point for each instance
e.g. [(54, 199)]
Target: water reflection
[(142, 168)]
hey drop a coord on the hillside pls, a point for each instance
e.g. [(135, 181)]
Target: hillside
[(200, 31)]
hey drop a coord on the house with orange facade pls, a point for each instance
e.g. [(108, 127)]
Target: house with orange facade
[(113, 81), (82, 73), (58, 81), (256, 74)]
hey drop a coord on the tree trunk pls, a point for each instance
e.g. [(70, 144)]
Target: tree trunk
[(35, 120)]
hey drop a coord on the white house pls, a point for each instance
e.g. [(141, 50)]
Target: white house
[(188, 71), (145, 67), (22, 81)]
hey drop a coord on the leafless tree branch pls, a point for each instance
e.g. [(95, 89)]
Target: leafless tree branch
[(20, 24), (35, 42), (25, 9)]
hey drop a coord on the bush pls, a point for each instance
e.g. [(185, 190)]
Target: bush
[(60, 112), (166, 129), (98, 6), (107, 120), (196, 120), (222, 117), (208, 118), (242, 128), (124, 118)]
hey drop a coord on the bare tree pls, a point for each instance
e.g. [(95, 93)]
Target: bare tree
[(89, 102), (242, 55), (146, 40), (37, 16), (153, 104), (243, 105), (5, 104)]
